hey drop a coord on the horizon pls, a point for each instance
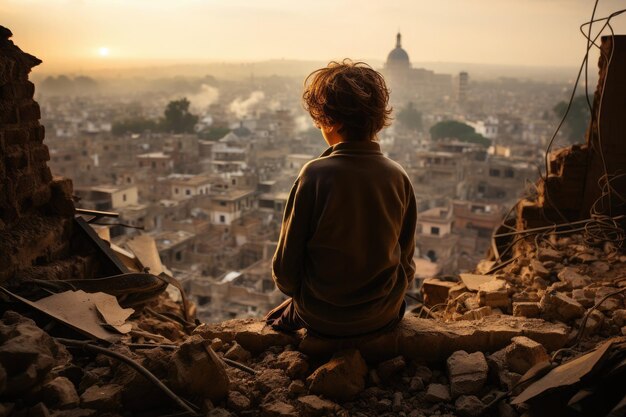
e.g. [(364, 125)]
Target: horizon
[(116, 35)]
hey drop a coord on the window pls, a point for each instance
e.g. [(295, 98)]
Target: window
[(123, 197), (509, 173), (179, 256), (434, 231), (233, 181), (222, 218), (153, 164), (432, 255), (494, 172), (223, 203), (175, 190), (187, 191)]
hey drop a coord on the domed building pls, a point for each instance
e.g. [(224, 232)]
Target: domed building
[(413, 84), (398, 59)]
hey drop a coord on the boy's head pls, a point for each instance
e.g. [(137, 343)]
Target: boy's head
[(350, 95)]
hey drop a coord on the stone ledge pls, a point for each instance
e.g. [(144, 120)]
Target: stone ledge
[(419, 339)]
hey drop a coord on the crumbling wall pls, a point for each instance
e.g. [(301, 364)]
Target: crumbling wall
[(575, 187), (35, 209)]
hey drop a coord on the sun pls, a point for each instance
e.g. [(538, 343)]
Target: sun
[(104, 51)]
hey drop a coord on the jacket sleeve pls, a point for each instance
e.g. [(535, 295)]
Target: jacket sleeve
[(288, 261), (407, 236)]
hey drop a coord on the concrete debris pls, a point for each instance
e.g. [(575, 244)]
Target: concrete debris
[(469, 406), (105, 397), (389, 368), (559, 306), (294, 363), (524, 353), (467, 372), (60, 393), (341, 378), (237, 353), (436, 393), (196, 370), (313, 406)]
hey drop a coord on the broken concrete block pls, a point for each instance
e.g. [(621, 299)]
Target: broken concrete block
[(582, 296), (106, 397), (436, 291), (499, 372), (526, 309), (619, 317), (294, 363), (469, 406), (614, 302), (549, 254), (593, 324), (494, 294), (573, 278), (437, 393), (278, 409), (391, 367), (237, 353), (313, 406), (196, 370), (477, 314), (271, 379), (539, 269), (467, 372), (560, 307), (524, 353), (342, 377), (60, 393), (296, 388), (254, 335), (237, 401)]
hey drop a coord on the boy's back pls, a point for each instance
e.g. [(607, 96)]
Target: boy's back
[(355, 209)]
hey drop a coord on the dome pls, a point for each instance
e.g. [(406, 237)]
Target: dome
[(398, 58)]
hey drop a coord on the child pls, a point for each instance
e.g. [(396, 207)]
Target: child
[(345, 250)]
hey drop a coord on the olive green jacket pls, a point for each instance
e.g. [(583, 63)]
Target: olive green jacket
[(347, 240)]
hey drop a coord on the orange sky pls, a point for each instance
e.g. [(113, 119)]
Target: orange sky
[(70, 34)]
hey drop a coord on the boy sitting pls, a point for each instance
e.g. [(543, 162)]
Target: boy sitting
[(345, 250)]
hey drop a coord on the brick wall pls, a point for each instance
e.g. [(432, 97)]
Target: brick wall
[(35, 208)]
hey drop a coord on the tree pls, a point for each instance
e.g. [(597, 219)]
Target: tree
[(178, 119), (577, 119), (451, 129), (134, 125), (410, 118)]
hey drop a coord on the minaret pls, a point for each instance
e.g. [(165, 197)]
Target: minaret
[(398, 40)]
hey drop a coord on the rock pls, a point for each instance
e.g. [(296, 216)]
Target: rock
[(39, 410), (296, 388), (560, 307), (278, 409), (424, 373), (390, 367), (539, 269), (469, 406), (416, 384), (477, 313), (60, 393), (499, 372), (197, 371), (396, 405), (494, 294), (27, 354), (582, 297), (467, 372), (106, 397), (619, 317), (340, 378), (437, 393), (237, 353), (294, 363), (254, 335), (313, 405), (271, 379), (573, 278), (436, 290), (614, 302), (427, 340), (219, 412), (526, 309), (549, 254), (593, 324), (217, 344), (238, 402), (524, 353)]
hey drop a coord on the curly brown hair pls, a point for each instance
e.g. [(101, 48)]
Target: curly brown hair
[(351, 94)]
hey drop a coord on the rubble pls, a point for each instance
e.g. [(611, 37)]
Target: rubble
[(467, 372), (341, 378)]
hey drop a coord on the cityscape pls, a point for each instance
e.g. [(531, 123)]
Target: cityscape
[(203, 165)]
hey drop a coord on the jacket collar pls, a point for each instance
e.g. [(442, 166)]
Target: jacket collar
[(354, 147)]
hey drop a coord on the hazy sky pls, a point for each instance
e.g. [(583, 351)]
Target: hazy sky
[(71, 34)]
